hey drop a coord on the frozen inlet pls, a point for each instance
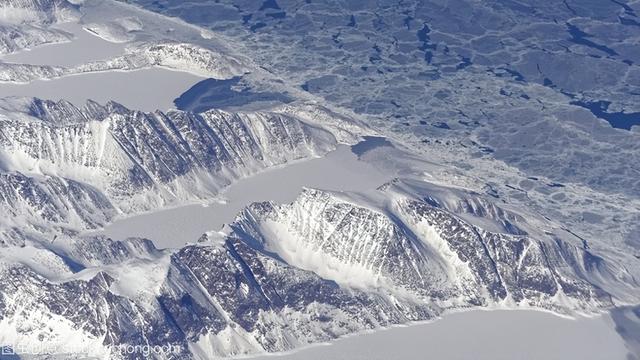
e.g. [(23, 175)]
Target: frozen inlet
[(146, 90), (513, 335), (178, 226)]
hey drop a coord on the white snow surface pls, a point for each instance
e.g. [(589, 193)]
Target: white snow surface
[(144, 60), (482, 335), (338, 170), (147, 89)]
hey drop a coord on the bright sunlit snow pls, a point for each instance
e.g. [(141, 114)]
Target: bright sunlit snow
[(188, 179), (339, 170), (481, 335)]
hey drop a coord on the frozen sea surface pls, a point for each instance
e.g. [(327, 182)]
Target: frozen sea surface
[(85, 47), (146, 89), (339, 170), (478, 335)]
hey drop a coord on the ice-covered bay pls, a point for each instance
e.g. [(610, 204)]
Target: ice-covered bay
[(339, 170), (490, 335), (84, 47), (146, 89)]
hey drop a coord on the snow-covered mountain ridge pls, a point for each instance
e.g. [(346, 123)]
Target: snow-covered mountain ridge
[(37, 11), (25, 24), (116, 160), (177, 56), (255, 290), (281, 275), (421, 248)]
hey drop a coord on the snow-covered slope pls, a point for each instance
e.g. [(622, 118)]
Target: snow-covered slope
[(224, 299), (37, 11), (281, 275), (177, 56), (323, 266), (42, 206), (14, 38), (110, 157), (25, 24), (411, 246)]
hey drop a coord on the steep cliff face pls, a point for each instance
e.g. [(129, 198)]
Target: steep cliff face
[(223, 300), (350, 244), (25, 24), (522, 268), (35, 206), (154, 147), (112, 159), (411, 246), (323, 266)]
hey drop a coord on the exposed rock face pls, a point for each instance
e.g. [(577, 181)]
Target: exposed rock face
[(257, 289), (144, 148), (110, 159), (522, 268), (25, 24), (30, 204), (412, 246), (324, 266), (228, 293)]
